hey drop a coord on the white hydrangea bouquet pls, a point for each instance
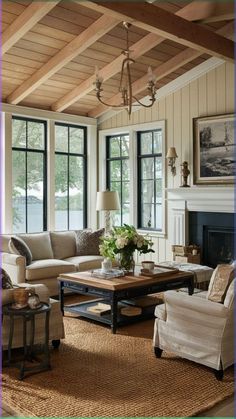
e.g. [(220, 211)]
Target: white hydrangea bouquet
[(123, 241)]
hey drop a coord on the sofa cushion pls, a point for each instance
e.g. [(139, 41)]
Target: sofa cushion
[(220, 281), (39, 244), (63, 244), (84, 263), (17, 245), (87, 242), (48, 268)]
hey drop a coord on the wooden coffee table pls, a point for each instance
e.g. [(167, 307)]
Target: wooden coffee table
[(116, 291)]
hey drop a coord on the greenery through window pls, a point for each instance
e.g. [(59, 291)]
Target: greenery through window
[(150, 179), (118, 174), (70, 177), (29, 175)]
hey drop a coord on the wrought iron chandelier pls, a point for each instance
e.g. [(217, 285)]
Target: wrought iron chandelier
[(125, 87)]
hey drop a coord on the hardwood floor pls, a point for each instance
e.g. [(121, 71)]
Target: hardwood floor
[(225, 409)]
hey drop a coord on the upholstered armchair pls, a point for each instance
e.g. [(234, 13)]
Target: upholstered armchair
[(56, 327), (195, 328)]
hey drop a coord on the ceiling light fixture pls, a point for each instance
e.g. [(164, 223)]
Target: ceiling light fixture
[(125, 87)]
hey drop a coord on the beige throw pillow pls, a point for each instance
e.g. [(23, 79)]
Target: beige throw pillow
[(221, 279), (63, 244), (87, 242)]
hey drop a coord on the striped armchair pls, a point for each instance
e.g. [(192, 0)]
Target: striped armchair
[(197, 329)]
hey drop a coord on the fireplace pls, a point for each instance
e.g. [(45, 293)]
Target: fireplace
[(214, 233)]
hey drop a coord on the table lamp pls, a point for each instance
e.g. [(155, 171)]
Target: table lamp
[(107, 201)]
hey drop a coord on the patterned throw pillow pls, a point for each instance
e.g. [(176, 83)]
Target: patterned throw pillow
[(87, 242), (18, 246), (221, 279), (5, 279)]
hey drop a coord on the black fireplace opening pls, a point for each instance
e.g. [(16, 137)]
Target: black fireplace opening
[(214, 233)]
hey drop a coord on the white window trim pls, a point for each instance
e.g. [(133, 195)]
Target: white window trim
[(132, 132), (8, 111)]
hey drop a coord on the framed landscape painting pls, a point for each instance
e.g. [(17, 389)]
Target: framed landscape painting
[(214, 150)]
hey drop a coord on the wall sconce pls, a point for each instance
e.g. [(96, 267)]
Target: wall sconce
[(171, 156)]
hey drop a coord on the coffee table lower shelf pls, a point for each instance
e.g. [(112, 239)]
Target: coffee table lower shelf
[(82, 310)]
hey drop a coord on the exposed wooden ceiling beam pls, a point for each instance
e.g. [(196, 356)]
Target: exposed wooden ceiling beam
[(25, 21), (166, 24), (223, 10), (161, 71), (81, 42), (209, 11), (138, 49)]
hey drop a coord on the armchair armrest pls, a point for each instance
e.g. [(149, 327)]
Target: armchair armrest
[(15, 266), (190, 303), (40, 289)]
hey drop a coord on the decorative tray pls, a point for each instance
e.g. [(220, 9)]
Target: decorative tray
[(107, 274)]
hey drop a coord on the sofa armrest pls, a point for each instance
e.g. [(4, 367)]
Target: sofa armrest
[(14, 265), (192, 305)]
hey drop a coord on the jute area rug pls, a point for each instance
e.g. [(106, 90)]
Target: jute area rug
[(97, 374)]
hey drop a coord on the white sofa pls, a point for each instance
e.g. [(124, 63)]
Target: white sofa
[(53, 253)]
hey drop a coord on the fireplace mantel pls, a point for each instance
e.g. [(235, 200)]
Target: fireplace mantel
[(209, 199), (204, 199)]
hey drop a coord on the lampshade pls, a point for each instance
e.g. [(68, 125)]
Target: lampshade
[(107, 200), (171, 153)]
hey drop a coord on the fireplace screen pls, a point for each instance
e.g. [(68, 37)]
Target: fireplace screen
[(218, 245)]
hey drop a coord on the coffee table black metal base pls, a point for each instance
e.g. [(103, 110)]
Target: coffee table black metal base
[(114, 299)]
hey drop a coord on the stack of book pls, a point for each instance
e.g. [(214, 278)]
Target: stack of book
[(100, 309)]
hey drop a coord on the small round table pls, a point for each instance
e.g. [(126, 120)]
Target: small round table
[(28, 316)]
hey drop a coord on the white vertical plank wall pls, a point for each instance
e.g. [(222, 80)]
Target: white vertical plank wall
[(210, 94)]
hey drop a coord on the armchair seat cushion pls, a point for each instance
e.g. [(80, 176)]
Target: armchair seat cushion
[(48, 268), (84, 263)]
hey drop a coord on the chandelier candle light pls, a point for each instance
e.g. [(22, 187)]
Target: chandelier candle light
[(125, 87)]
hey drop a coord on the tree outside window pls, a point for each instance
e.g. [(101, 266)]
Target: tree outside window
[(150, 179), (118, 174), (29, 175), (70, 177)]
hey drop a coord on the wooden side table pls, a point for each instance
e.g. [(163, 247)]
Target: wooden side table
[(28, 316)]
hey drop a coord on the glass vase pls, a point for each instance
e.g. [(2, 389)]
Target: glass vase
[(126, 262)]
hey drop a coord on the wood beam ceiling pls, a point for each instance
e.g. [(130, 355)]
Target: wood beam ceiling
[(79, 44), (209, 11), (161, 71), (138, 49), (25, 21), (160, 23), (156, 20)]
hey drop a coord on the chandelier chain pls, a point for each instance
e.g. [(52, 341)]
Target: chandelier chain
[(125, 86)]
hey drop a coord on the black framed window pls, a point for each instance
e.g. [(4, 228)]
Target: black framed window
[(70, 177), (118, 174), (150, 182), (29, 168)]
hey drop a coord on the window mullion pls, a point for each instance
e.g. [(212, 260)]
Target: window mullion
[(26, 181)]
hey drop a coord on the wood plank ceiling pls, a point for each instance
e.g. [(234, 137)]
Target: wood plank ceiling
[(50, 49)]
